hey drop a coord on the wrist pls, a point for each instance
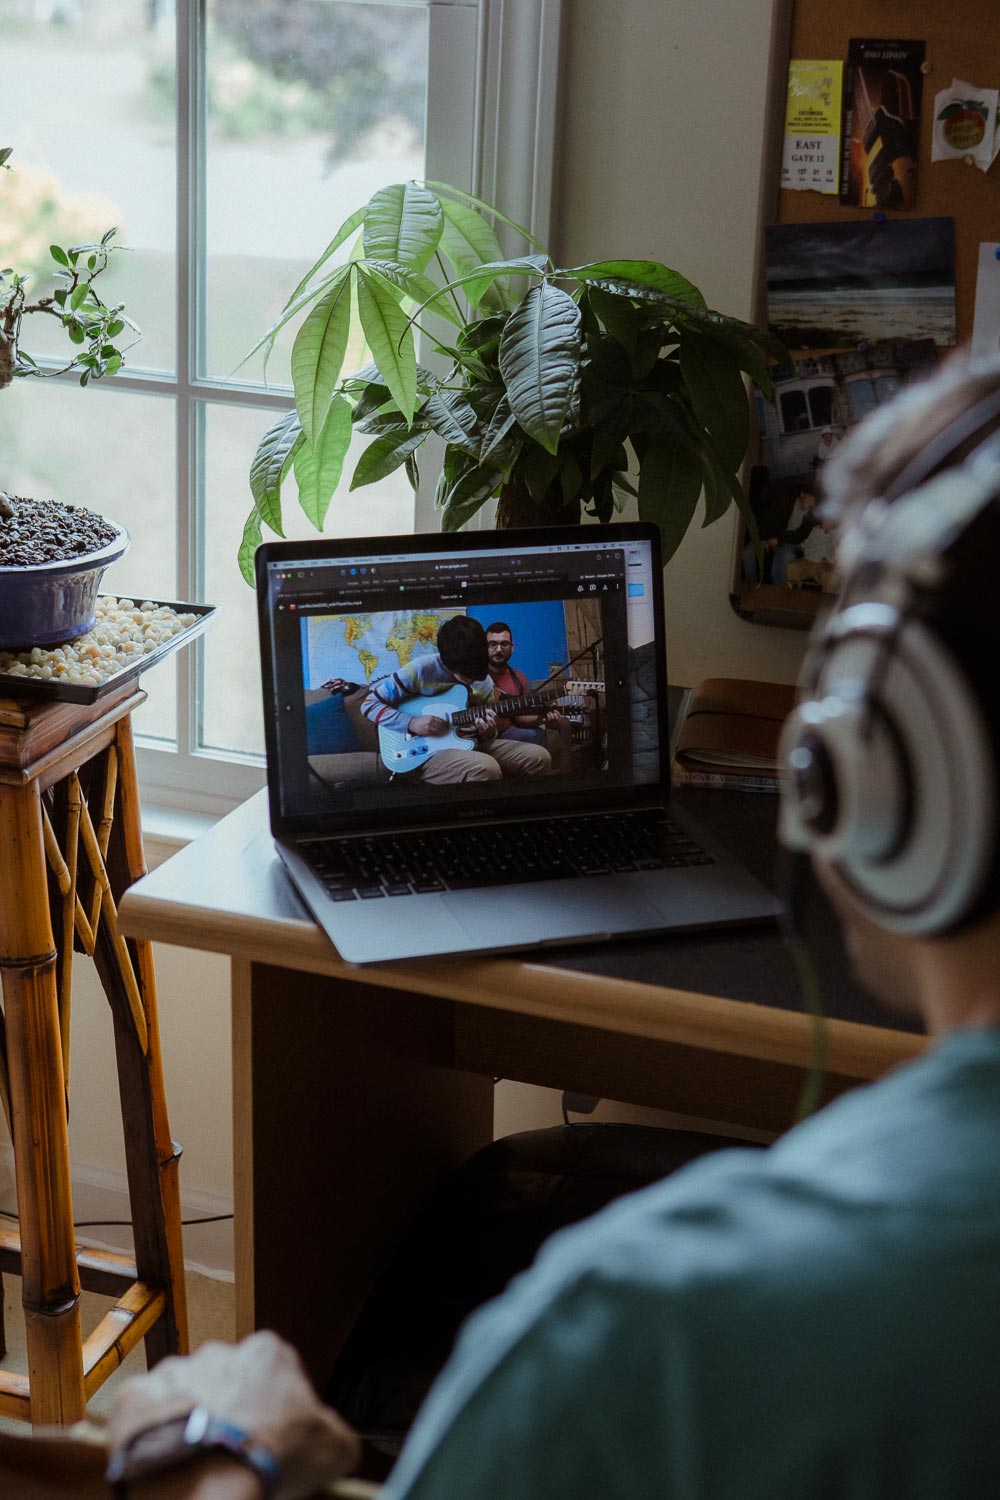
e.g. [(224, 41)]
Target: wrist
[(193, 1454)]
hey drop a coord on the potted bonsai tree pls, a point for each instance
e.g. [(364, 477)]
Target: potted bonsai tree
[(52, 556), (565, 389)]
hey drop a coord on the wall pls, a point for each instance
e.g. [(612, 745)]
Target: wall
[(663, 117), (663, 108)]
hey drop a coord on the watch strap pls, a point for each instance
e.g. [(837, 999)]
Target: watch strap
[(185, 1440)]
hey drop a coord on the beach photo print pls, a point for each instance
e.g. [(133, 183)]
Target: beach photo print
[(844, 285)]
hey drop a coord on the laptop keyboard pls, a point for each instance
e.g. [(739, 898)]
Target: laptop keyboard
[(365, 869)]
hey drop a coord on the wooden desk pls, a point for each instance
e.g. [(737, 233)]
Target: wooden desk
[(355, 1089)]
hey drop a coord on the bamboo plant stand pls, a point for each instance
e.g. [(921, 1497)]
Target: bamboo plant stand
[(70, 844)]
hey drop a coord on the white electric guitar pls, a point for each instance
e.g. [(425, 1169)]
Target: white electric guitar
[(402, 751)]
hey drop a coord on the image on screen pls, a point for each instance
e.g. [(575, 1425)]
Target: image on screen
[(415, 680)]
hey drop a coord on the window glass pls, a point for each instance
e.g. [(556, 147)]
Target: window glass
[(312, 106), (112, 452), (231, 689), (861, 394), (821, 405), (88, 101), (886, 387), (794, 411)]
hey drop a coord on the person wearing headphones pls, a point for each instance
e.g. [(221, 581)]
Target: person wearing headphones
[(821, 1318)]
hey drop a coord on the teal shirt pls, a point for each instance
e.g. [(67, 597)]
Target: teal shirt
[(819, 1321)]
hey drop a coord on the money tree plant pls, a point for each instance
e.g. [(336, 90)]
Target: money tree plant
[(562, 389), (91, 325)]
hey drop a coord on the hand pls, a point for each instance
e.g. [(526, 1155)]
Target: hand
[(427, 724), (770, 544), (553, 716), (484, 727), (258, 1385)]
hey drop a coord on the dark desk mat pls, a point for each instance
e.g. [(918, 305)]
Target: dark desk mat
[(744, 963)]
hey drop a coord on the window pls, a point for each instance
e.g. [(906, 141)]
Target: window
[(228, 141), (794, 411), (821, 405)]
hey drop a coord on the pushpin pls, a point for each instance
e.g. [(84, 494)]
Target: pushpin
[(970, 161), (926, 67), (879, 217)]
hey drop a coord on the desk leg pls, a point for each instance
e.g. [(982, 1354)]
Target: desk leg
[(347, 1110)]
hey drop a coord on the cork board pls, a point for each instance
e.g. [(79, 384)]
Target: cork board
[(961, 43), (958, 44)]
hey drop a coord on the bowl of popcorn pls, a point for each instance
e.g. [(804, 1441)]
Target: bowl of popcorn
[(127, 637), (52, 560)]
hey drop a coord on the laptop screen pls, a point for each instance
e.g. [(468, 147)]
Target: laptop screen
[(436, 675)]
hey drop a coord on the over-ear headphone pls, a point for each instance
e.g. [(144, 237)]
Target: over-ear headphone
[(892, 768)]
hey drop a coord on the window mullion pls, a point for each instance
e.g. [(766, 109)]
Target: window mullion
[(190, 348)]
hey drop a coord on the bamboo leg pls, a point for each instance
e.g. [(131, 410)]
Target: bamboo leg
[(64, 870), (151, 1155), (103, 832), (50, 1282)]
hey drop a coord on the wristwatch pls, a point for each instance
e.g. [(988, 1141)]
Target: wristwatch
[(183, 1440)]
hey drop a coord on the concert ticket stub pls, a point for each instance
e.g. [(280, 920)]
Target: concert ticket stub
[(882, 95), (811, 155)]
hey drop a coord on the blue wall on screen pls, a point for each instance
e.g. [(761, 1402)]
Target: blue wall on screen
[(539, 632)]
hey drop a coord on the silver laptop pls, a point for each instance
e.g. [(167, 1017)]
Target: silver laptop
[(467, 744)]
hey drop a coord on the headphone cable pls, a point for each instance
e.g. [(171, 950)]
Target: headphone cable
[(794, 881)]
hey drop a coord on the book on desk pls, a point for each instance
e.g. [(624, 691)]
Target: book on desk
[(726, 733)]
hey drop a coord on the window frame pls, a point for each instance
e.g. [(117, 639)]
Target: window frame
[(493, 81)]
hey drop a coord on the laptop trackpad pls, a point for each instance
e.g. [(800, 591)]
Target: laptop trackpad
[(553, 909)]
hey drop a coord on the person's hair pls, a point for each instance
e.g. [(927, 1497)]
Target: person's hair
[(499, 628), (461, 644), (962, 610)]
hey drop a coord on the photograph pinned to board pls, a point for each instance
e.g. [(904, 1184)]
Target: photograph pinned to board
[(813, 409), (986, 323), (883, 86), (841, 284), (811, 155)]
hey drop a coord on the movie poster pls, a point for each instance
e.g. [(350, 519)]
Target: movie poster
[(882, 95)]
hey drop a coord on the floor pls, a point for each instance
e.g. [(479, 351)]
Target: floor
[(211, 1315)]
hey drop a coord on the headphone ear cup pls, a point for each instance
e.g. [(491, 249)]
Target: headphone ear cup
[(910, 763)]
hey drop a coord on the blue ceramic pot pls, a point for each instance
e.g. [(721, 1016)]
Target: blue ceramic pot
[(50, 603)]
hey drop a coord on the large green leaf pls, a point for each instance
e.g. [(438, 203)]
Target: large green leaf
[(389, 338), (403, 223), (639, 273), (538, 469), (749, 346), (452, 192), (540, 362), (467, 241), (318, 468), (619, 317), (500, 424), (669, 485), (454, 419), (248, 545), (343, 233), (386, 454), (292, 308), (420, 289), (467, 496), (717, 393), (318, 356), (483, 276), (270, 465)]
